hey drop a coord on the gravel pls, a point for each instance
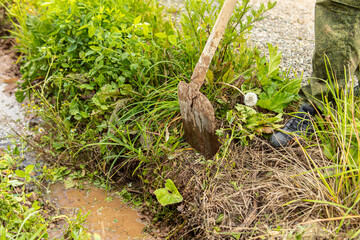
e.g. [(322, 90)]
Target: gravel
[(290, 26)]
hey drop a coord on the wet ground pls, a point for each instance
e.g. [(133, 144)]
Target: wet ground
[(11, 117), (109, 217)]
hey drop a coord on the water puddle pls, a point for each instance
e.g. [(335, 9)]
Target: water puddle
[(109, 216)]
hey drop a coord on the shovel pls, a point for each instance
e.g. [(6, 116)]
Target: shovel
[(196, 110)]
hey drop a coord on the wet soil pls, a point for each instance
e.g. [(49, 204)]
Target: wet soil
[(109, 217), (11, 117)]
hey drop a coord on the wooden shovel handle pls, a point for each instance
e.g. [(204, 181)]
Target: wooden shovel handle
[(212, 43)]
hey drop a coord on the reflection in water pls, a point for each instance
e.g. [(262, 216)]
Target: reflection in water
[(109, 216)]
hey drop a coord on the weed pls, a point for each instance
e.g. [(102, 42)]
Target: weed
[(338, 133)]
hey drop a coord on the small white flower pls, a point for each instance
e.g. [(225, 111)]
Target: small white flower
[(41, 130), (250, 99)]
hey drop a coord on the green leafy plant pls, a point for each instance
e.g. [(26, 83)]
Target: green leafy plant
[(277, 91), (26, 173), (245, 122), (169, 194)]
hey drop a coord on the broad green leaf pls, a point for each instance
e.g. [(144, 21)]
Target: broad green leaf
[(20, 173), (236, 235), (69, 183), (276, 100), (95, 48), (3, 232), (86, 86), (57, 145), (74, 107), (134, 66), (275, 58), (72, 47), (35, 205), (145, 29), (71, 40), (161, 35), (137, 20), (276, 103), (20, 95), (15, 183), (85, 26), (104, 107), (65, 65), (96, 101), (217, 229), (29, 169), (84, 114), (228, 76), (245, 110), (169, 194), (91, 31), (172, 39)]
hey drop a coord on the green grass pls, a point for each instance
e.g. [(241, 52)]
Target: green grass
[(337, 137)]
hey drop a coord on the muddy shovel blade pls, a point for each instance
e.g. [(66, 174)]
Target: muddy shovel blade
[(198, 119)]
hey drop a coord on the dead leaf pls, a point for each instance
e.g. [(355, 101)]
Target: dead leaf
[(267, 130), (10, 80)]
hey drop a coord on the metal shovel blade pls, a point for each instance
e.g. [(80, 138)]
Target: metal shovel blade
[(198, 119), (196, 110)]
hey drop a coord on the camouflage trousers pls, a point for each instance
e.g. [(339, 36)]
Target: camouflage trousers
[(337, 36)]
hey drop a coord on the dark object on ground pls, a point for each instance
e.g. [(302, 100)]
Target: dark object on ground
[(300, 124), (196, 110), (35, 121)]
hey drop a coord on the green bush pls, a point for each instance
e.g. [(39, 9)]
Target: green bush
[(107, 72), (80, 48)]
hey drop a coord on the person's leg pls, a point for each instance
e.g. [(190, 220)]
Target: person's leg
[(337, 35)]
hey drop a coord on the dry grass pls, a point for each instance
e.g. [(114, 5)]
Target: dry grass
[(257, 192)]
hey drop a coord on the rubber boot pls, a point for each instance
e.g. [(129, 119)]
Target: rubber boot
[(300, 124)]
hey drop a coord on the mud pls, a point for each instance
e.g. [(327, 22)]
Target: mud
[(109, 217), (11, 114)]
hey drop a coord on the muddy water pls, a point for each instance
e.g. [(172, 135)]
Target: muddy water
[(109, 216), (11, 117)]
